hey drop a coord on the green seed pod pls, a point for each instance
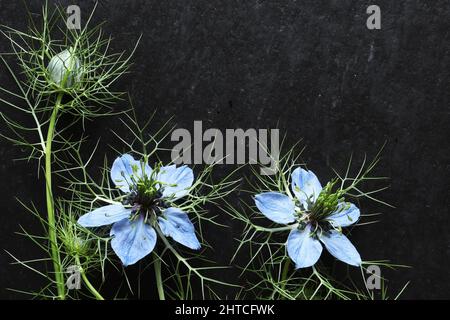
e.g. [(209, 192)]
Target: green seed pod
[(65, 69)]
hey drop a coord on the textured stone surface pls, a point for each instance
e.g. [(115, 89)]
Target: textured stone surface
[(313, 68)]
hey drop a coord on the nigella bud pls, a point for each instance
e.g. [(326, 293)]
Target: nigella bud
[(65, 69)]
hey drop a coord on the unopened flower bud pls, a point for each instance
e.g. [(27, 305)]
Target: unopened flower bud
[(65, 69)]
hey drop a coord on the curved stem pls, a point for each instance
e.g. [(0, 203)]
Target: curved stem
[(91, 288), (59, 277), (86, 281), (57, 266), (186, 263), (285, 272), (159, 283)]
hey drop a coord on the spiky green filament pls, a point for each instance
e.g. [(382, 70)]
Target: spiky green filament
[(326, 203)]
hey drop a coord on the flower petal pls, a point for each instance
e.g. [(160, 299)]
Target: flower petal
[(176, 224), (104, 216), (341, 248), (346, 214), (132, 240), (305, 186), (123, 168), (276, 206), (303, 249), (176, 181)]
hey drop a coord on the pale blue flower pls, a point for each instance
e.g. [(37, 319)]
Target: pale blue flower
[(316, 215), (150, 193)]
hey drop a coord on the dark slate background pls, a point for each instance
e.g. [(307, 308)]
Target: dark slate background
[(313, 68)]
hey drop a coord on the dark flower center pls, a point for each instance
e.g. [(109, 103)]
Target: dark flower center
[(326, 204), (146, 195), (317, 227), (145, 202)]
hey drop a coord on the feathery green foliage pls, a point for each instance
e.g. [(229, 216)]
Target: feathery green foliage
[(81, 88)]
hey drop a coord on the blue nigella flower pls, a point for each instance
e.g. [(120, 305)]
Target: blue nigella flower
[(316, 215), (147, 205)]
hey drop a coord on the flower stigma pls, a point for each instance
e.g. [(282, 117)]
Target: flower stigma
[(317, 212), (146, 195)]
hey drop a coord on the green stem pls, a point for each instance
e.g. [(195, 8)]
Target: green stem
[(59, 277), (57, 266), (285, 272), (186, 263), (159, 283), (88, 284)]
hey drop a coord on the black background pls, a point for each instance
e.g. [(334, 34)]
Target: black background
[(313, 69)]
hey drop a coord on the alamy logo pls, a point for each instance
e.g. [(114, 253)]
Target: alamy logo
[(374, 280), (228, 149), (374, 20), (73, 17), (73, 281)]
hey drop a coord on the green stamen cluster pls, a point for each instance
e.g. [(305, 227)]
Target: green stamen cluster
[(327, 202), (146, 193)]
